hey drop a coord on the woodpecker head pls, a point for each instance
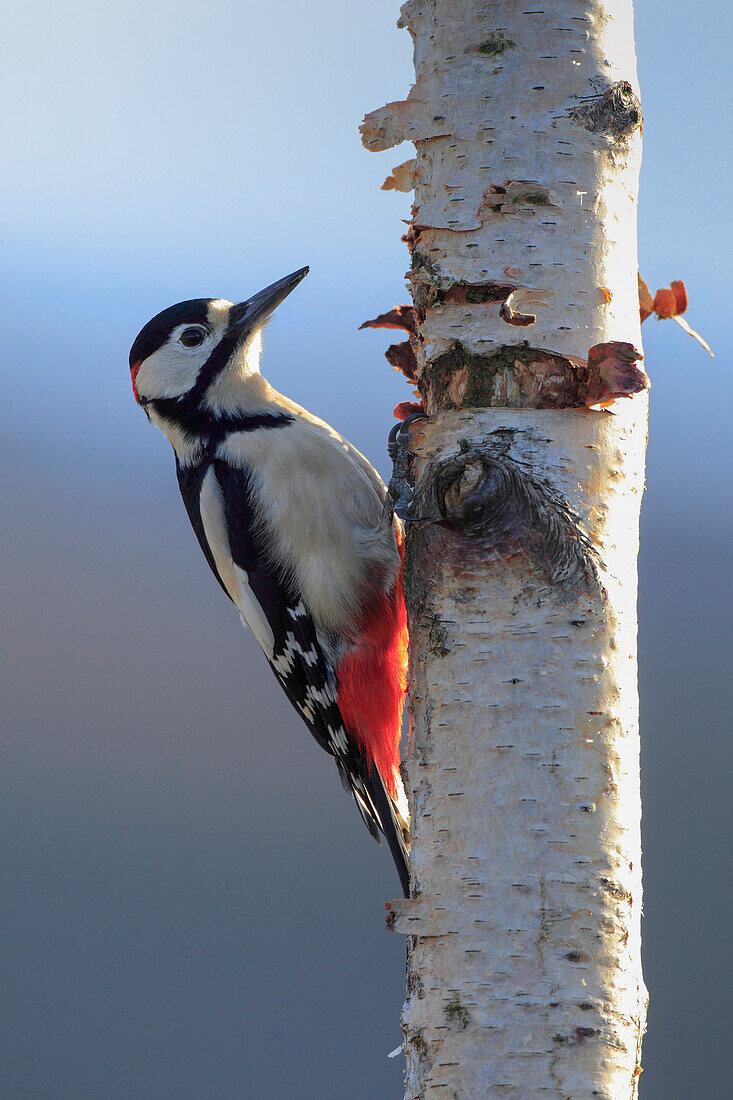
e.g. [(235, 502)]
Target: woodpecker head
[(184, 350)]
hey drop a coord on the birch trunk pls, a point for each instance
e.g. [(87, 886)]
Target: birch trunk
[(524, 972)]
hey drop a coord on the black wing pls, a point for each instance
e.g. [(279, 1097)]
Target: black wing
[(298, 660)]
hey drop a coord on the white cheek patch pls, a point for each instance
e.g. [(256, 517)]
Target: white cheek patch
[(235, 579), (172, 370)]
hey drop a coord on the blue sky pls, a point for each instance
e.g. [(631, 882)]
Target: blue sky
[(160, 153), (193, 912)]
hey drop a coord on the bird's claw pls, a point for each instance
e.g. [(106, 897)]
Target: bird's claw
[(399, 491)]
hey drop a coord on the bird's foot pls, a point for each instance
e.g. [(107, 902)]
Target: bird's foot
[(399, 491)]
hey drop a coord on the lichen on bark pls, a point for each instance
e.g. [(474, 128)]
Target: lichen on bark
[(523, 377)]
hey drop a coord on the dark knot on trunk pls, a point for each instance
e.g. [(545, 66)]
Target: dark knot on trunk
[(489, 496)]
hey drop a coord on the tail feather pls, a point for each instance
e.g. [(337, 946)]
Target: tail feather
[(393, 823), (353, 784)]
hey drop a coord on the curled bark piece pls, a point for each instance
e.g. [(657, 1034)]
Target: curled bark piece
[(664, 303), (668, 303), (646, 301), (695, 335), (404, 177), (402, 357), (513, 317), (405, 120), (403, 409), (613, 372), (680, 294), (401, 317)]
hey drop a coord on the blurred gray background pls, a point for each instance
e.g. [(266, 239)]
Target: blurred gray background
[(190, 906)]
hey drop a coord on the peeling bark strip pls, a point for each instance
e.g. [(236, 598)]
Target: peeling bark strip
[(524, 975)]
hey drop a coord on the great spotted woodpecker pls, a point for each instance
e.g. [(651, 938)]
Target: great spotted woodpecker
[(291, 520)]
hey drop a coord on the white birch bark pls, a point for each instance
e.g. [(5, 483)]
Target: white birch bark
[(524, 970)]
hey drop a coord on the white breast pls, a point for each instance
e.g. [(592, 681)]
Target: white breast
[(321, 507)]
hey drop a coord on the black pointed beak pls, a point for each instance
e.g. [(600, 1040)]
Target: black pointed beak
[(256, 310)]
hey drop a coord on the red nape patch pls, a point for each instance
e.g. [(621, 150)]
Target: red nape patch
[(133, 373), (372, 680)]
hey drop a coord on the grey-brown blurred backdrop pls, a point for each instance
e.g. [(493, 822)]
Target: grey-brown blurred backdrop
[(190, 906)]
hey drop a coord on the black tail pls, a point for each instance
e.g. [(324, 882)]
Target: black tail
[(394, 827), (379, 811)]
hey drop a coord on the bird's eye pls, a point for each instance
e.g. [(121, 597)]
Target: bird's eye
[(192, 337)]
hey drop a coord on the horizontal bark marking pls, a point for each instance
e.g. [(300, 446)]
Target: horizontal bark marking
[(417, 917)]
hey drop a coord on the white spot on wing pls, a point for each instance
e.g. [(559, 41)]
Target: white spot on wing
[(284, 661), (338, 738), (324, 697), (307, 710)]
